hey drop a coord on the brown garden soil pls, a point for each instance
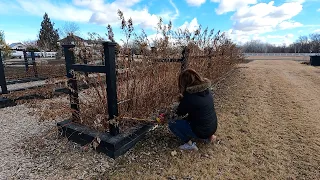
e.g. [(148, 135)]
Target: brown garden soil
[(269, 128)]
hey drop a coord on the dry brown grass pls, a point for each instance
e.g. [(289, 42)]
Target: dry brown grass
[(267, 130), (291, 58)]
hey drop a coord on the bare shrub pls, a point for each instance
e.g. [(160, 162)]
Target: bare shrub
[(149, 82)]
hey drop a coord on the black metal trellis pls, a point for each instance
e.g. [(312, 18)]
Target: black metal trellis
[(111, 143), (3, 82), (109, 68)]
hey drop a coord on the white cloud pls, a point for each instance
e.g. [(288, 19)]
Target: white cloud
[(96, 11), (195, 2), (258, 37), (177, 13), (288, 36), (106, 13), (264, 17), (289, 25), (316, 31), (298, 1), (232, 5), (237, 36), (241, 37), (318, 10), (192, 26), (275, 37), (251, 19), (272, 39)]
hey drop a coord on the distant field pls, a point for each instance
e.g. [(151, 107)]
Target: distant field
[(294, 58)]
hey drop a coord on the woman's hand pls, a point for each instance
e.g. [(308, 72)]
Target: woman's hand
[(162, 118)]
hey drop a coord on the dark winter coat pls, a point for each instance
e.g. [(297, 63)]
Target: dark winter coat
[(197, 102)]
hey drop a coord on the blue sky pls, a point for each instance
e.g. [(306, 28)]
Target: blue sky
[(276, 22)]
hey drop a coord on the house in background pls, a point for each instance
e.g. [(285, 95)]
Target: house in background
[(18, 46), (72, 39)]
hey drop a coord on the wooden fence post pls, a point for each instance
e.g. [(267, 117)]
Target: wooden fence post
[(85, 61), (110, 63), (34, 64), (184, 60), (72, 82), (26, 63), (3, 82)]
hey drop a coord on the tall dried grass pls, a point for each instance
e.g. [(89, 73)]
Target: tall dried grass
[(149, 81)]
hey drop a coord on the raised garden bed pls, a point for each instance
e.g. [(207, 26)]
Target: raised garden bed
[(25, 80), (112, 146), (5, 102)]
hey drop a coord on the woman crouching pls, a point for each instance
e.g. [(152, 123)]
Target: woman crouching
[(197, 103)]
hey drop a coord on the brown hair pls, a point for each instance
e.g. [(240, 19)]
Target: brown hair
[(189, 77)]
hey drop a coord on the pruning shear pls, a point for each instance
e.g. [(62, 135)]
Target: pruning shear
[(160, 119)]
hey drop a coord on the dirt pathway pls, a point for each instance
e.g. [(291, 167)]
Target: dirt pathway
[(280, 107)]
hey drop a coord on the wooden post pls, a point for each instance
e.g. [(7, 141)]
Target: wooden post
[(184, 60), (26, 63), (132, 55), (34, 64), (72, 82), (85, 61), (110, 63), (3, 82)]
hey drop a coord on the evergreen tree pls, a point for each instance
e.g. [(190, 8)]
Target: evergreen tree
[(48, 36), (2, 39), (5, 48)]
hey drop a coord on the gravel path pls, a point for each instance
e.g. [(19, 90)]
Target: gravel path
[(13, 87), (16, 126), (31, 149)]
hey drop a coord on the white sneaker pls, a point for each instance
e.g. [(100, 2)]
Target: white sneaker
[(189, 147)]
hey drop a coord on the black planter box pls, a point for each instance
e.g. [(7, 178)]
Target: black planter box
[(25, 80), (315, 60), (5, 102), (112, 146)]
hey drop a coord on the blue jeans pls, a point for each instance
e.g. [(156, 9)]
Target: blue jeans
[(182, 129)]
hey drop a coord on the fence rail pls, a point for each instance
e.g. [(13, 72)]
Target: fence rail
[(43, 54)]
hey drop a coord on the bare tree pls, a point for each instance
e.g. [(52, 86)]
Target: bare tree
[(255, 46), (69, 29), (304, 44), (31, 45), (315, 42)]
